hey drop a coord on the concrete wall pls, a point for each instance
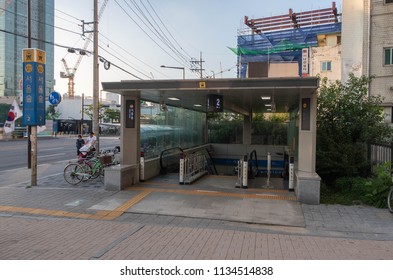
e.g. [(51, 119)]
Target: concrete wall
[(363, 48), (381, 37), (283, 70), (353, 22), (327, 53)]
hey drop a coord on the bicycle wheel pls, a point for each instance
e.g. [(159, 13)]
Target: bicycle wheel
[(96, 169), (87, 169), (102, 175), (390, 200), (73, 173)]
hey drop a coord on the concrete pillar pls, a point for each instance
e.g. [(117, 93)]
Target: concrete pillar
[(127, 173), (130, 136), (307, 182), (307, 132)]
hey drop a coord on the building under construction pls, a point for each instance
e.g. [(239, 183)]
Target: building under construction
[(284, 40)]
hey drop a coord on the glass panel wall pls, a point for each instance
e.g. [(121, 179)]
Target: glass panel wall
[(168, 127), (270, 129), (225, 128)]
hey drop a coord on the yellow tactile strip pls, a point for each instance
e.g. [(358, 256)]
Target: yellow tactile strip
[(111, 215), (99, 215), (248, 190), (218, 193)]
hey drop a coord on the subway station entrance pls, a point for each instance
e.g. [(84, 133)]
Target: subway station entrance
[(290, 165)]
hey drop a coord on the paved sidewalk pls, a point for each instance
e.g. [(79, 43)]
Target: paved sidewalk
[(161, 219)]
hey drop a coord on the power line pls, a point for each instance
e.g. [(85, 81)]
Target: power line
[(170, 34), (163, 39), (58, 45), (151, 67), (160, 32), (66, 47), (68, 15), (148, 34), (44, 23)]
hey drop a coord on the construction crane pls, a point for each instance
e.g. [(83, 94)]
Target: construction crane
[(70, 72)]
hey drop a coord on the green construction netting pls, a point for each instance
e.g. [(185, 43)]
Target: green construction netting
[(282, 47)]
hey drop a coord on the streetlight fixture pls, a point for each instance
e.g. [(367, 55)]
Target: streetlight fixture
[(174, 67)]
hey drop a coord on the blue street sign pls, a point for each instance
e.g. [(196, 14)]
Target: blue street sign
[(54, 98), (33, 87)]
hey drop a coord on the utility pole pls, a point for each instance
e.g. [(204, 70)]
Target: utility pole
[(82, 111), (199, 64), (32, 129), (28, 46), (96, 128)]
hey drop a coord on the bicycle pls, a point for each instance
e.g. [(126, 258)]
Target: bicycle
[(87, 168), (390, 200), (74, 173)]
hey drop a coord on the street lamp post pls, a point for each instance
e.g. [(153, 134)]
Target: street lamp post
[(174, 67)]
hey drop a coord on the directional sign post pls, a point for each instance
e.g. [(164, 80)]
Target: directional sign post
[(33, 87), (33, 99)]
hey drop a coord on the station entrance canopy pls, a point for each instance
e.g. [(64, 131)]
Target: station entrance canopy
[(243, 96)]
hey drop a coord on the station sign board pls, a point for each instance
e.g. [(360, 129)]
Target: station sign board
[(215, 103), (33, 87)]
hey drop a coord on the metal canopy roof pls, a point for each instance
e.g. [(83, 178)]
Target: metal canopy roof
[(240, 95)]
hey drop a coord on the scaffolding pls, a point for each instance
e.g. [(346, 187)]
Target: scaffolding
[(282, 38)]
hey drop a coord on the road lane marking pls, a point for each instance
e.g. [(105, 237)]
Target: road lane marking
[(50, 149), (52, 155)]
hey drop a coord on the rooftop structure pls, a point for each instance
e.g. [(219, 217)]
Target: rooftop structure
[(282, 38)]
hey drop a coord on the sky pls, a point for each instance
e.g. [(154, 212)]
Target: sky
[(128, 37)]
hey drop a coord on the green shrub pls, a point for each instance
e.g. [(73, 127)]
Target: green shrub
[(377, 187), (372, 191), (345, 191)]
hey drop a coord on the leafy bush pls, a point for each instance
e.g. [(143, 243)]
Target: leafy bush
[(377, 188), (372, 191), (347, 119)]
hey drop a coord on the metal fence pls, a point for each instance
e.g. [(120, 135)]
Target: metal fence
[(379, 153)]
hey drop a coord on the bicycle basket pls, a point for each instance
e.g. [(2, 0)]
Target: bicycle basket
[(105, 159)]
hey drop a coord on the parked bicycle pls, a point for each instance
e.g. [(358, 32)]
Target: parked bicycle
[(87, 168), (390, 200)]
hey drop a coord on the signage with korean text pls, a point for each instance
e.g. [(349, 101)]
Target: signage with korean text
[(305, 62), (33, 87), (130, 113)]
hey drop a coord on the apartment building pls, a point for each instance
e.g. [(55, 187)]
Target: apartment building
[(367, 46)]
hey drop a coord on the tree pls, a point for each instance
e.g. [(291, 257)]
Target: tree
[(111, 115), (347, 119), (88, 110), (52, 112)]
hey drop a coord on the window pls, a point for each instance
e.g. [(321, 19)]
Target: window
[(388, 1), (389, 56), (326, 66)]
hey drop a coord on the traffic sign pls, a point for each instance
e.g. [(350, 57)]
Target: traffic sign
[(54, 98)]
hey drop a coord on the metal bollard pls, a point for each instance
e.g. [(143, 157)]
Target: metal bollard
[(245, 172), (181, 168), (142, 168), (242, 173), (291, 174)]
